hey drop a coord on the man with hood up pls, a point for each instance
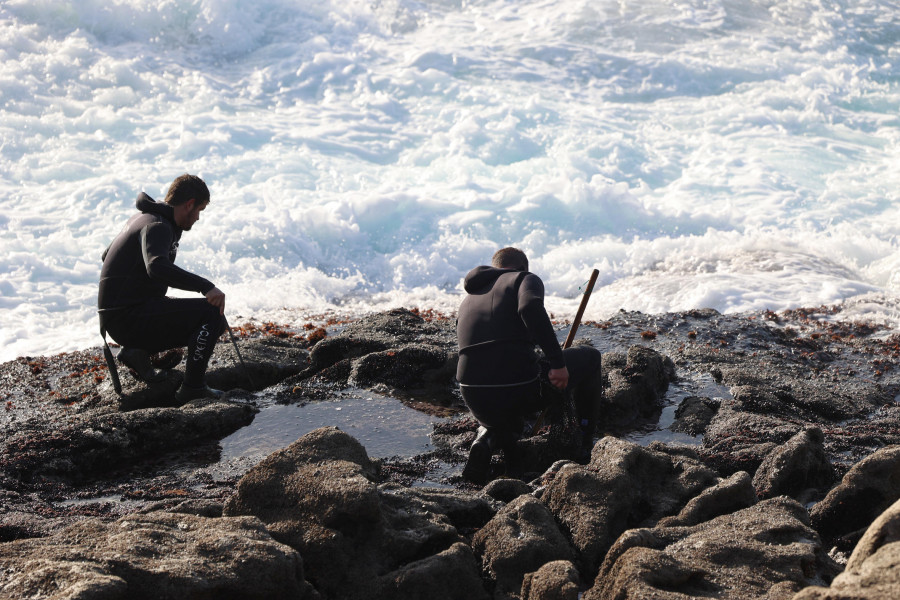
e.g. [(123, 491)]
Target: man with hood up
[(138, 268), (499, 322)]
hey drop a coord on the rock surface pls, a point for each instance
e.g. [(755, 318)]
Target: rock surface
[(798, 467), (154, 555), (623, 486), (768, 404), (320, 496), (521, 538), (557, 580), (765, 551), (868, 489), (872, 571)]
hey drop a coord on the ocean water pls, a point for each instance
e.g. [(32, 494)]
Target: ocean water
[(733, 154)]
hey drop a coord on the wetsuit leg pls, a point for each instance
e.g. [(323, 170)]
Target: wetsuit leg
[(201, 345), (163, 323), (503, 408), (502, 412), (586, 385)]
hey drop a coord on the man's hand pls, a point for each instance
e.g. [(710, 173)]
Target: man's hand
[(559, 377), (216, 297)]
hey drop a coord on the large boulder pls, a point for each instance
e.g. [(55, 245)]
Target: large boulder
[(867, 490), (635, 384), (403, 368), (320, 495), (767, 551), (694, 414), (795, 468), (871, 571), (737, 440), (623, 486), (93, 444), (521, 538), (154, 555), (451, 574), (398, 349), (557, 580), (727, 496)]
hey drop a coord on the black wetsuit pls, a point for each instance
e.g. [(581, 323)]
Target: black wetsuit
[(499, 322), (138, 269)]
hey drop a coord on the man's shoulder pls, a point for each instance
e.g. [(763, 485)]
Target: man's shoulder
[(531, 279)]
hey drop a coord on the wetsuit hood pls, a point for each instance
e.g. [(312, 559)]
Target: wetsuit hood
[(480, 279), (146, 204)]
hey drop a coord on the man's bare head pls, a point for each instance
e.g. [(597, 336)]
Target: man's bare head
[(510, 258)]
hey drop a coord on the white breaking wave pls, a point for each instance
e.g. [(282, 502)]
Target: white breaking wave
[(361, 155)]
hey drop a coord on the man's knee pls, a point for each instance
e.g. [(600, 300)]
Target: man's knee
[(593, 358), (214, 320)]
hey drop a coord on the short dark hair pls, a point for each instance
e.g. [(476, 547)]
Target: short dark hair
[(510, 258), (186, 187)]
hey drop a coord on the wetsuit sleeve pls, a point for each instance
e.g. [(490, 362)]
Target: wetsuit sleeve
[(156, 243), (533, 313)]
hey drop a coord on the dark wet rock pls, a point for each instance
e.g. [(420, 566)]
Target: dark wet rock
[(154, 555), (539, 452), (725, 497), (767, 551), (320, 496), (398, 349), (848, 443), (739, 441), (871, 572), (201, 508), (624, 486), (799, 467), (557, 580), (267, 361), (521, 538), (90, 445), (635, 384), (463, 510), (407, 367), (376, 332), (694, 414), (448, 575), (867, 490), (506, 489), (790, 392)]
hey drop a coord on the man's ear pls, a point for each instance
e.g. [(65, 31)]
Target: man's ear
[(189, 205)]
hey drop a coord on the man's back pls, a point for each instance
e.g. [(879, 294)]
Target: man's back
[(139, 263), (498, 323)]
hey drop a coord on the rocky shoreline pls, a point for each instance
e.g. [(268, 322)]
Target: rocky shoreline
[(739, 456)]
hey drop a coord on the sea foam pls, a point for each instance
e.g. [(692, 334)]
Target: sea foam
[(717, 153)]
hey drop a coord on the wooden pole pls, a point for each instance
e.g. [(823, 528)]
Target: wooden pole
[(584, 300)]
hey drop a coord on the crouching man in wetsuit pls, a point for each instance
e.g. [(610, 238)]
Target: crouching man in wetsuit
[(500, 320), (138, 268)]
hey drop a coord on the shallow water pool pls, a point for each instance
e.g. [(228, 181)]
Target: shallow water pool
[(659, 430), (384, 425)]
